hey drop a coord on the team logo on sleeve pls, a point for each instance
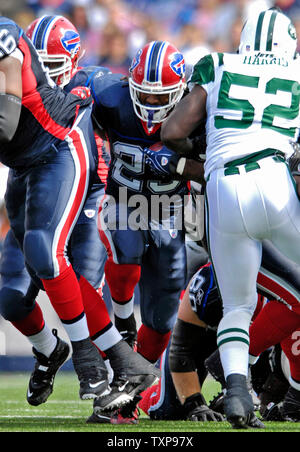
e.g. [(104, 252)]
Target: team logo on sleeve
[(71, 41), (177, 64)]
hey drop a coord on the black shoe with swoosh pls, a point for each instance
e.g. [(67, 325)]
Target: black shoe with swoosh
[(41, 381), (91, 370), (126, 385)]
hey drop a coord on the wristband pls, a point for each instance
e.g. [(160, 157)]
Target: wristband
[(181, 165)]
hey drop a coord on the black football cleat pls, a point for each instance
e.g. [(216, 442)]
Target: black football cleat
[(238, 404), (98, 419), (217, 404), (132, 375), (214, 366), (42, 378), (290, 409), (273, 392), (91, 370), (129, 414), (115, 399), (272, 412)]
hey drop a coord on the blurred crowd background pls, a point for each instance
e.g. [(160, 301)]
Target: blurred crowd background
[(112, 30)]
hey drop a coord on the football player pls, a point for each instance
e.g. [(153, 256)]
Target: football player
[(59, 46), (248, 142), (131, 114), (46, 141), (278, 280), (152, 252)]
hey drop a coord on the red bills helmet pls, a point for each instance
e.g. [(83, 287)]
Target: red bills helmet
[(158, 68), (58, 43)]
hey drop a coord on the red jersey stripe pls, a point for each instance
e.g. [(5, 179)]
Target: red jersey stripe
[(76, 146), (32, 100)]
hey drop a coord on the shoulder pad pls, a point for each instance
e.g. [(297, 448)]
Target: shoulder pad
[(109, 88), (10, 34), (204, 70)]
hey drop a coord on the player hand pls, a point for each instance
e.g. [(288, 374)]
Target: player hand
[(162, 163), (81, 91), (202, 413)]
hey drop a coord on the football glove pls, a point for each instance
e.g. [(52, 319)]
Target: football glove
[(203, 414), (196, 409), (162, 163)]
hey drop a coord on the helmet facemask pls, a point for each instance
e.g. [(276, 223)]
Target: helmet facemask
[(59, 67), (57, 42), (155, 114), (158, 70)]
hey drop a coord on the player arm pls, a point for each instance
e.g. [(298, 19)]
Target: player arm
[(185, 118), (166, 163), (192, 170), (10, 97), (189, 331)]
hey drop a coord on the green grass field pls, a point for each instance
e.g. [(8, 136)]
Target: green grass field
[(65, 412)]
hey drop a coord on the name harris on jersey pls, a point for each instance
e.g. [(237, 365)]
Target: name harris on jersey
[(265, 59)]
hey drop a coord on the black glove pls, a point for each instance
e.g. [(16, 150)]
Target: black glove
[(196, 409)]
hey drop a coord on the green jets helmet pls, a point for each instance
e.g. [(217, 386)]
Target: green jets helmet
[(269, 31)]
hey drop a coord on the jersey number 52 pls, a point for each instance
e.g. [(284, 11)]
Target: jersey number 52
[(273, 86)]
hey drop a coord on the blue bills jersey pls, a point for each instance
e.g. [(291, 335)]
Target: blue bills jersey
[(47, 112), (113, 111)]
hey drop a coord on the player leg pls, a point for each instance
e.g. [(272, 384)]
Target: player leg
[(56, 192), (192, 342), (163, 279), (18, 305), (125, 249), (236, 259), (88, 257), (130, 370)]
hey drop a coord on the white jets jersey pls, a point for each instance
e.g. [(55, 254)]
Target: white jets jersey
[(252, 104)]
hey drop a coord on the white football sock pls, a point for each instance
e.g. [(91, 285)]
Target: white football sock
[(123, 310), (233, 342), (78, 330), (108, 339), (44, 341)]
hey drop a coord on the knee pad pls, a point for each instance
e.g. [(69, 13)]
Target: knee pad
[(14, 305), (186, 339), (122, 279), (37, 251)]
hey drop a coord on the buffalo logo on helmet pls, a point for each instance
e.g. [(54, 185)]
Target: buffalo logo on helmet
[(71, 41), (177, 64), (136, 60)]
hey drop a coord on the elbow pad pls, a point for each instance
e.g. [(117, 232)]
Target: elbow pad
[(10, 111), (185, 343)]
